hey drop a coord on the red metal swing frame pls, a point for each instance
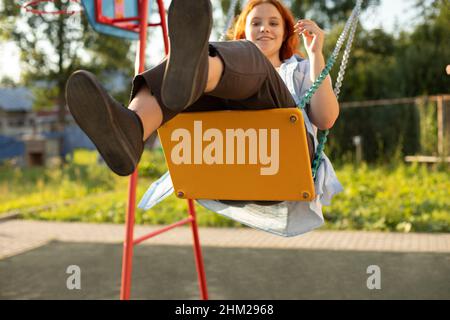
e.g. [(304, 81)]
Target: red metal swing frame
[(135, 24)]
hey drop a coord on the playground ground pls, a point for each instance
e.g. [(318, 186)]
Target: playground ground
[(239, 263)]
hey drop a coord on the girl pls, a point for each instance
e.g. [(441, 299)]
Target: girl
[(203, 76), (258, 70)]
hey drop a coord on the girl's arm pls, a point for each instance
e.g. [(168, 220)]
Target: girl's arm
[(324, 106)]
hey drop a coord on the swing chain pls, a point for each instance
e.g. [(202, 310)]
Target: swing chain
[(345, 57), (229, 19), (350, 25), (352, 21)]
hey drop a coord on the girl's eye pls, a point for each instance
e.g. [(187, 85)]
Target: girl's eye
[(274, 24), (255, 23)]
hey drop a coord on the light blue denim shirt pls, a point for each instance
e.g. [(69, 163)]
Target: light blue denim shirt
[(300, 217), (295, 74)]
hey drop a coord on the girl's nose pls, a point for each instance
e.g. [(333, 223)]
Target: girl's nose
[(264, 29)]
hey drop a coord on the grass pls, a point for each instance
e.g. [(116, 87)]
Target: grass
[(400, 198)]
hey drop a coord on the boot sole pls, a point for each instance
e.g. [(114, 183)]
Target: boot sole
[(185, 54), (91, 111)]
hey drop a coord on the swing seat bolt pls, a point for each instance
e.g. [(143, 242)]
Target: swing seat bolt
[(293, 118), (180, 194), (305, 195)]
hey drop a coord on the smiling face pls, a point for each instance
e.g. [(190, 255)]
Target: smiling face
[(264, 27)]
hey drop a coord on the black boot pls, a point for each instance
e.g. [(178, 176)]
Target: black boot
[(115, 130), (186, 75)]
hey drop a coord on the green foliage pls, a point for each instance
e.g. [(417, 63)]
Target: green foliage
[(395, 198), (327, 13), (387, 132), (35, 187), (152, 164), (8, 9), (370, 67), (401, 198), (423, 55), (428, 128)]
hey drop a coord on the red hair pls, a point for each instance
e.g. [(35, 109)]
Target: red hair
[(290, 43)]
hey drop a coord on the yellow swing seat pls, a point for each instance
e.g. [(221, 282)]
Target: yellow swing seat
[(239, 155)]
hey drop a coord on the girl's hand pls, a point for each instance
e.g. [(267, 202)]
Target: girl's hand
[(313, 36)]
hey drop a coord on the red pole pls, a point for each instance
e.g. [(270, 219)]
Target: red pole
[(128, 244), (127, 257), (143, 11), (198, 253), (162, 14)]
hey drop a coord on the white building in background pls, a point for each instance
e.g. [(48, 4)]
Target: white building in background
[(22, 128), (16, 116), (27, 134)]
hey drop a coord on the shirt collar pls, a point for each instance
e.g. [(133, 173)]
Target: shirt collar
[(292, 59)]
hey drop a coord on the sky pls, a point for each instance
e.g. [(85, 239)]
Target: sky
[(388, 15)]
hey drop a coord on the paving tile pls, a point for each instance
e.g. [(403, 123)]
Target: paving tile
[(17, 236)]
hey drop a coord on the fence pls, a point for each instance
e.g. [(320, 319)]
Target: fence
[(422, 124)]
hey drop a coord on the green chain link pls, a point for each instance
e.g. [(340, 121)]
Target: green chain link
[(322, 135), (308, 95)]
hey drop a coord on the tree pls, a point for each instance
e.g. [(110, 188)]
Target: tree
[(423, 55), (327, 13), (50, 48), (369, 73)]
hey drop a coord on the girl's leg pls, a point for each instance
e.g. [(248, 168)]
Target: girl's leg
[(148, 108), (215, 72)]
